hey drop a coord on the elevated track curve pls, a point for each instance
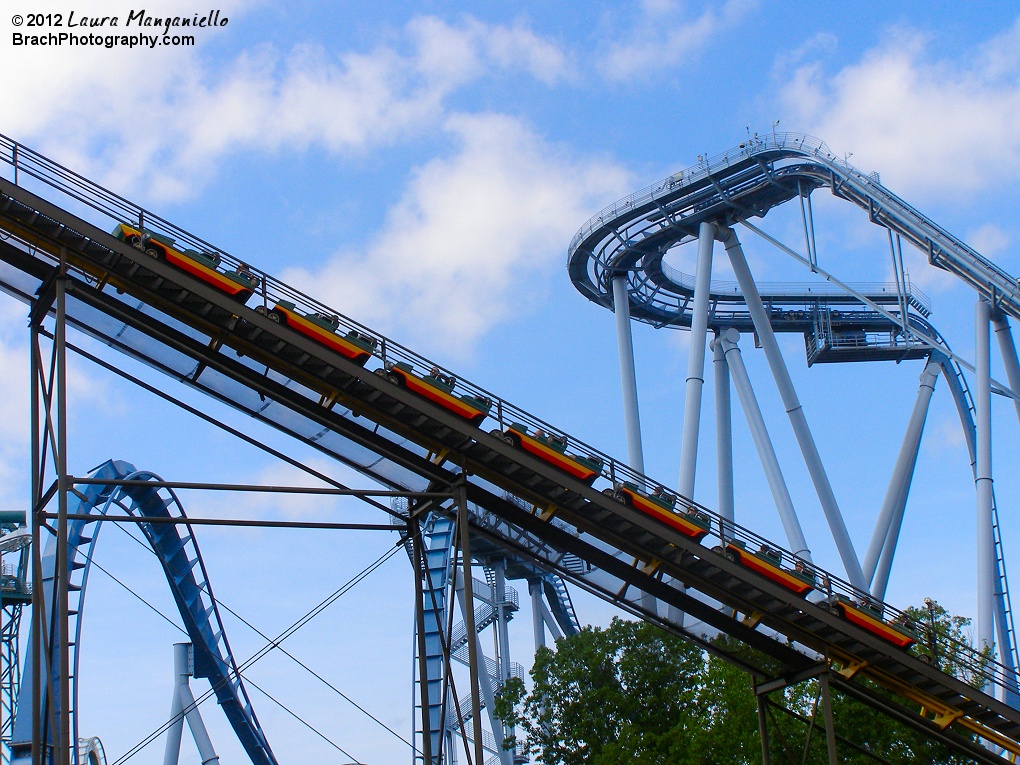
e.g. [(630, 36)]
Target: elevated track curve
[(179, 324)]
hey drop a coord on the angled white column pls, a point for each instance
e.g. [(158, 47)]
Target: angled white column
[(723, 432), (696, 361), (184, 707), (537, 623), (878, 561), (1007, 349), (550, 622), (983, 476), (806, 441), (762, 442), (628, 376)]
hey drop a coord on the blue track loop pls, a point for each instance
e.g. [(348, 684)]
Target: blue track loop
[(178, 552)]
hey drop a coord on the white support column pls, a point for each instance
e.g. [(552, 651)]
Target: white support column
[(628, 375), (723, 432), (762, 442), (537, 622), (172, 750), (484, 678), (628, 384), (1007, 349), (878, 561), (185, 703), (503, 640), (795, 412), (696, 361), (550, 622), (983, 476)]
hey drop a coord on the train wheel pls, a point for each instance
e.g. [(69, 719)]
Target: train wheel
[(730, 555), (152, 252), (275, 316), (135, 241), (394, 378), (511, 439)]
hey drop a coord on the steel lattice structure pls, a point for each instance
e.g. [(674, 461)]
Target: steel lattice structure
[(547, 499)]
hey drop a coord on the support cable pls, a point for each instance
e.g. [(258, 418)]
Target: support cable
[(223, 426), (247, 679), (287, 653), (318, 609), (300, 719), (997, 387), (205, 697), (841, 739)]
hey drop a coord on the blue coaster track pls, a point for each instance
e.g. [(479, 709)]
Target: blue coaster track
[(177, 551), (197, 333)]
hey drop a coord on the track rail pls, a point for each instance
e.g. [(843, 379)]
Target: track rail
[(184, 327), (746, 182), (189, 582)]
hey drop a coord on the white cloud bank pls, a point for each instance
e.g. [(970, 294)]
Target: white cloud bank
[(467, 228), (663, 36), (161, 119), (470, 231), (928, 124)]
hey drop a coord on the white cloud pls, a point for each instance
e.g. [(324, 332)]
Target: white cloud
[(163, 118), (928, 124), (990, 240), (470, 232), (664, 37)]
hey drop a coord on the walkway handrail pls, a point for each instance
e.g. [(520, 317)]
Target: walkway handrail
[(119, 209)]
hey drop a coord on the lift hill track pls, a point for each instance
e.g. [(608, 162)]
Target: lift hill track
[(181, 325)]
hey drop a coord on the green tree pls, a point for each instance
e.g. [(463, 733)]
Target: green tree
[(632, 693), (945, 643)]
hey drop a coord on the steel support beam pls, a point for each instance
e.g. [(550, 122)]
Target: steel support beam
[(468, 606), (723, 432), (628, 374), (62, 572), (830, 729), (878, 561), (418, 566), (763, 727), (486, 692), (38, 615), (983, 476), (503, 643), (696, 362), (794, 410), (762, 442)]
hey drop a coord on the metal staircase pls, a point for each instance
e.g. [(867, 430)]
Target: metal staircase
[(189, 583)]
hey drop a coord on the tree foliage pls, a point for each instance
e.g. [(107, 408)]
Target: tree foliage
[(632, 693)]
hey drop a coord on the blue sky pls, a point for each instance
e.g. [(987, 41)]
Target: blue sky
[(422, 167)]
